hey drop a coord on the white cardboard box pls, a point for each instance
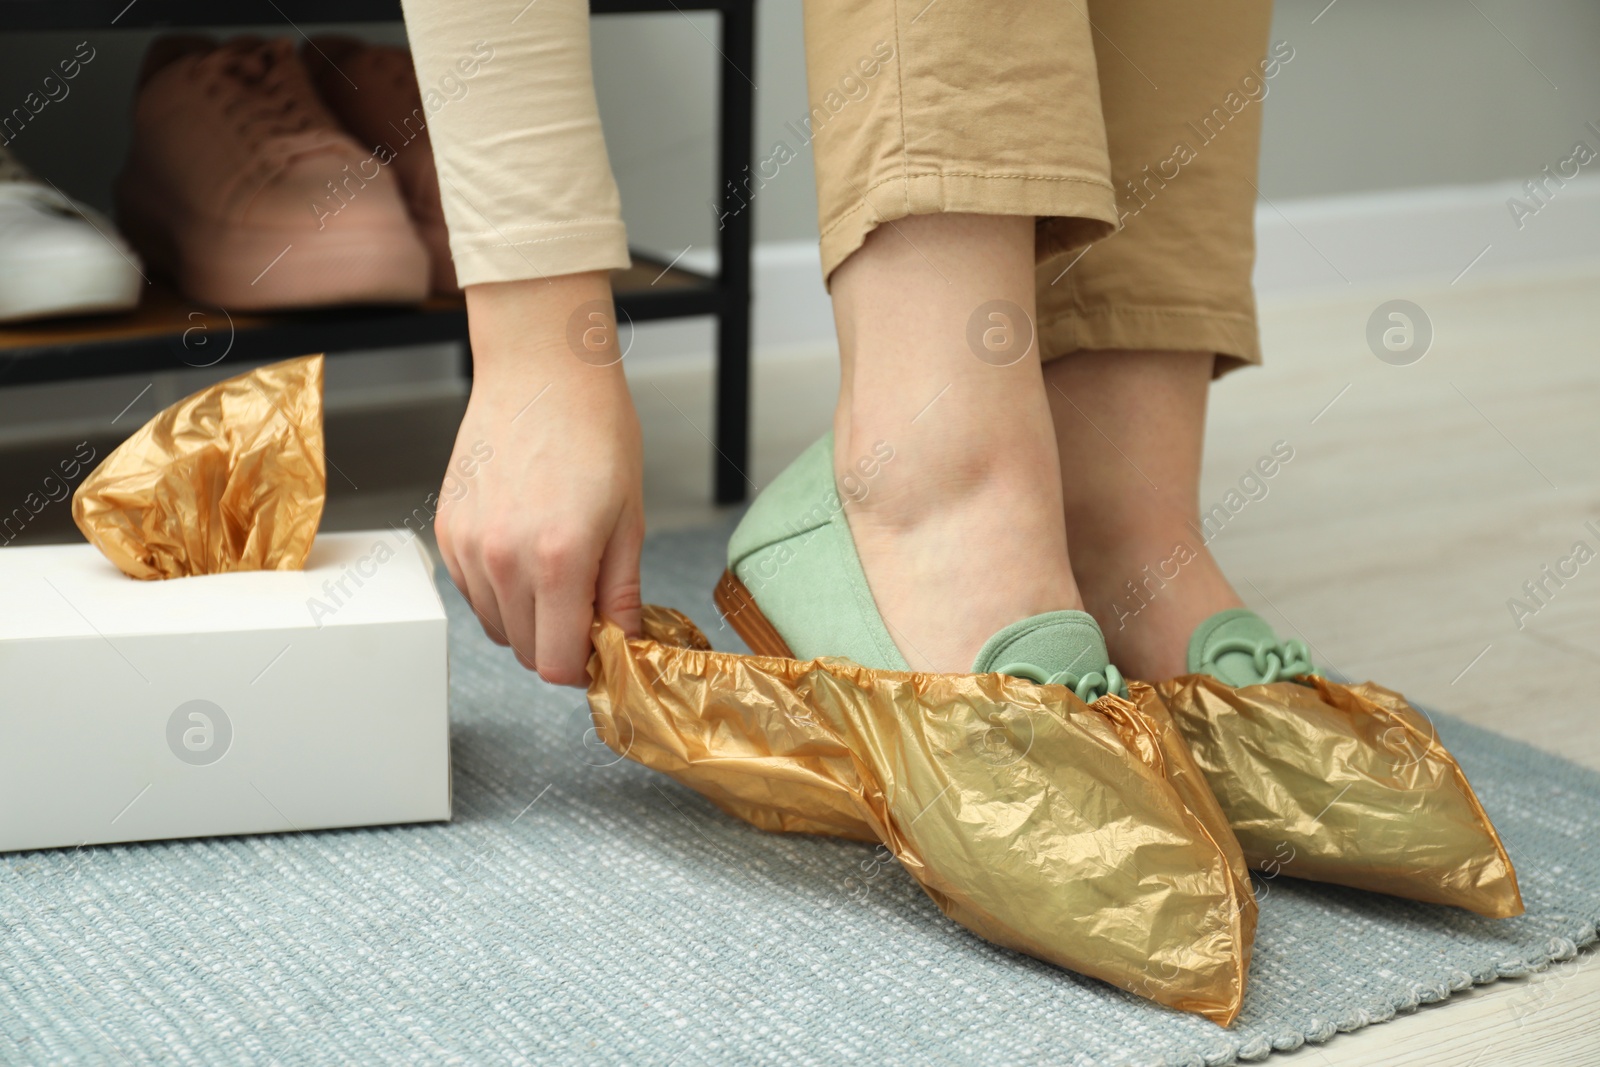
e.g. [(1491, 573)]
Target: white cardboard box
[(221, 704)]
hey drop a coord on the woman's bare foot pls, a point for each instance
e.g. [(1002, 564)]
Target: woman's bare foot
[(960, 534), (1129, 427)]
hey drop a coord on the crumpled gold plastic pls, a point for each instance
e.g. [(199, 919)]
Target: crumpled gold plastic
[(228, 479), (1346, 784), (1081, 834)]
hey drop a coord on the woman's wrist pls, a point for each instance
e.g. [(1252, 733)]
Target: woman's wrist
[(560, 327)]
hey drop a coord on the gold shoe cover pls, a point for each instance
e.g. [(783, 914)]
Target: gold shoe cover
[(231, 478), (1081, 834), (1344, 784)]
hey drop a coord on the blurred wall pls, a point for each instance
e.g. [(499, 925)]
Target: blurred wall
[(1427, 92), (1378, 96)]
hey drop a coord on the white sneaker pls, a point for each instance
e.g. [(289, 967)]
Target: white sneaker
[(57, 256)]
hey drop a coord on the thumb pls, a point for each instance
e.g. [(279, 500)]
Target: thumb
[(617, 586)]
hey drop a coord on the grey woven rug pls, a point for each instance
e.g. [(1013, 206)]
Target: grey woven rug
[(584, 910)]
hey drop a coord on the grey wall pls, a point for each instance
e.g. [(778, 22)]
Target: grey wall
[(1427, 92), (1378, 96)]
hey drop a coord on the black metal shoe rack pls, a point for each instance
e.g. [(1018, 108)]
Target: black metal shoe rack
[(169, 334)]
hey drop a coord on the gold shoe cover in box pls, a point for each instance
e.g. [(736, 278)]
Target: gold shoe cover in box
[(1080, 834), (228, 479), (1344, 784)]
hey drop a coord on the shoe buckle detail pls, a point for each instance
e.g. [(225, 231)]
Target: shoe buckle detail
[(1273, 661), (1088, 687)]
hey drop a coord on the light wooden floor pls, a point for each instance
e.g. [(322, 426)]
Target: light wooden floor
[(1419, 500)]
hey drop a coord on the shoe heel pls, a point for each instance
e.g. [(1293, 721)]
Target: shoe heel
[(738, 607)]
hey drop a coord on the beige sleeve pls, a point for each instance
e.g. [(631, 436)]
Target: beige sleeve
[(523, 173)]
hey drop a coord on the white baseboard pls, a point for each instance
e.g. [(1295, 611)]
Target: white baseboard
[(70, 410), (1433, 235)]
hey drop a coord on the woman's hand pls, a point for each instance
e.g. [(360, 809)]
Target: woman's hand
[(541, 514)]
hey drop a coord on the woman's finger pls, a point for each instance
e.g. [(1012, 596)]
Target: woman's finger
[(563, 608), (617, 588)]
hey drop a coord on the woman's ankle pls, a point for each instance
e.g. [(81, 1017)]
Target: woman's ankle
[(1148, 592), (954, 536), (906, 475)]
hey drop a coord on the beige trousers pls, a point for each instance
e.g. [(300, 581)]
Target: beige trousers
[(1128, 128)]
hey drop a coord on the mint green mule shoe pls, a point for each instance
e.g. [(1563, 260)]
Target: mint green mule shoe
[(1331, 782), (1238, 647), (794, 587)]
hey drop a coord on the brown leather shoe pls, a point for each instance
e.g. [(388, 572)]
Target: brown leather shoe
[(386, 115), (241, 186)]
